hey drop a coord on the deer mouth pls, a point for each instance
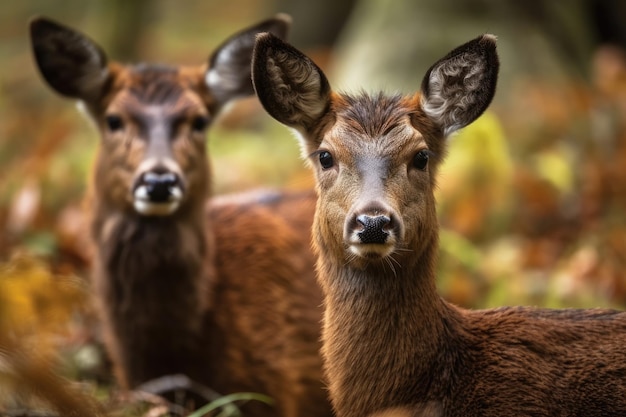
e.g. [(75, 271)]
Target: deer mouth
[(144, 205), (371, 250)]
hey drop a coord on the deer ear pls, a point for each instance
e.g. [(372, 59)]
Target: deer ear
[(70, 62), (228, 75), (291, 88), (459, 87)]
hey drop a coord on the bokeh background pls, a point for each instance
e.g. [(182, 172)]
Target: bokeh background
[(531, 199)]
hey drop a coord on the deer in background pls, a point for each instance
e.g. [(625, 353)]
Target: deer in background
[(389, 340), (224, 292)]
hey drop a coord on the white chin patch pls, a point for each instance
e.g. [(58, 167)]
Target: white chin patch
[(144, 206), (371, 250), (148, 208)]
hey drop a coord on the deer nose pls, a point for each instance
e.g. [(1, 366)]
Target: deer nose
[(160, 187), (157, 193), (373, 228)]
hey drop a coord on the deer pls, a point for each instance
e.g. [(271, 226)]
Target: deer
[(389, 341), (219, 290)]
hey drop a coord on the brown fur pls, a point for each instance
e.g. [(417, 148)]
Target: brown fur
[(222, 292), (389, 341)]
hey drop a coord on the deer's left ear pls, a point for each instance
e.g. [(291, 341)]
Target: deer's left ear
[(229, 73), (459, 87)]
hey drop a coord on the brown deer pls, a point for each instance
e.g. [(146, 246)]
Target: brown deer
[(389, 340), (223, 293)]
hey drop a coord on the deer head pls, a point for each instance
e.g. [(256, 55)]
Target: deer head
[(375, 157), (152, 118)]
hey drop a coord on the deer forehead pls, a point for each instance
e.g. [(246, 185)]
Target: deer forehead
[(144, 88), (378, 118), (185, 106), (395, 144)]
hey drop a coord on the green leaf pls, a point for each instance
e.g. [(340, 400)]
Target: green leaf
[(227, 402)]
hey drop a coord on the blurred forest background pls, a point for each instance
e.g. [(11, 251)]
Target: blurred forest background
[(531, 200)]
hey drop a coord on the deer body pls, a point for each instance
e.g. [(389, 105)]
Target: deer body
[(390, 342), (222, 292)]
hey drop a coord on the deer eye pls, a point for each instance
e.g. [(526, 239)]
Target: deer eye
[(326, 159), (114, 122), (199, 123), (420, 160)]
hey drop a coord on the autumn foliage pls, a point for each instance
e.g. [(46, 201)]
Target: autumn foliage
[(531, 200)]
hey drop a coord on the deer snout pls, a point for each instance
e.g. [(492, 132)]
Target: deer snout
[(157, 192), (372, 231)]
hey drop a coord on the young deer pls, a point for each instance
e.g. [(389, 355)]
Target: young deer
[(389, 340), (224, 293)]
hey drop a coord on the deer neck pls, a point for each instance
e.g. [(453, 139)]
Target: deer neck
[(142, 260), (376, 322)]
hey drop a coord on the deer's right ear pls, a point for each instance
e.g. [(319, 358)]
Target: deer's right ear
[(70, 62), (291, 88)]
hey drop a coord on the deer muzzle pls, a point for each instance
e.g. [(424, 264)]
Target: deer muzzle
[(157, 192), (372, 231)]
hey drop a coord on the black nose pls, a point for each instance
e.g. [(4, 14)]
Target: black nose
[(159, 186), (373, 228)]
